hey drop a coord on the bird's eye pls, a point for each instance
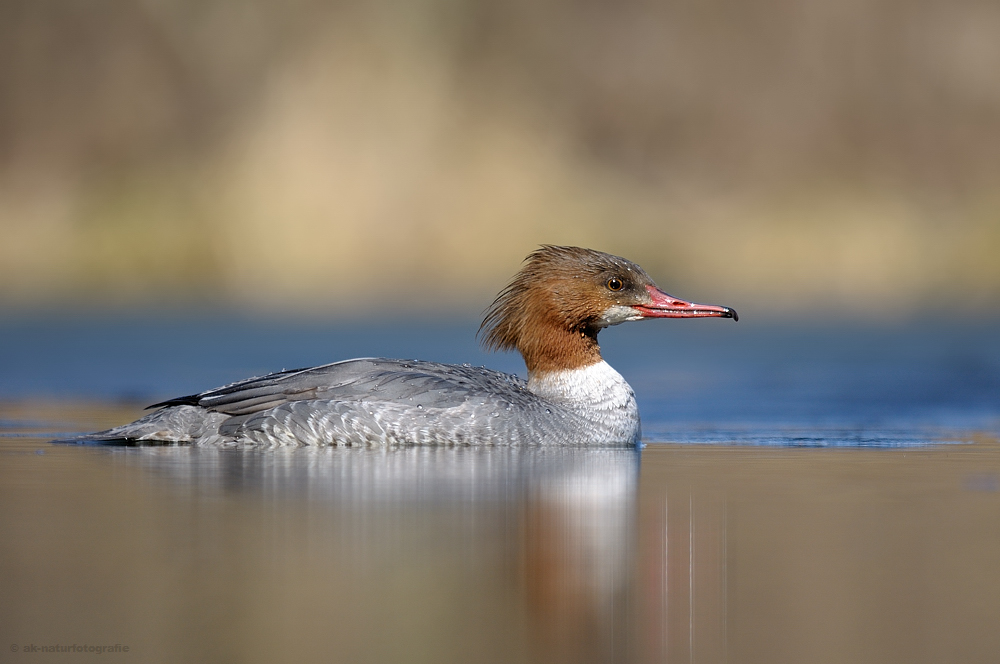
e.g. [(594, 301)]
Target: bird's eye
[(615, 284)]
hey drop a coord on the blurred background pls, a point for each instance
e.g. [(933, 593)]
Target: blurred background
[(783, 156), (251, 185)]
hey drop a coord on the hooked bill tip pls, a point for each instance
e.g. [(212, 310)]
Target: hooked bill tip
[(731, 313)]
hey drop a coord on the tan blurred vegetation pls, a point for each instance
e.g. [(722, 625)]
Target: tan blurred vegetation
[(792, 155)]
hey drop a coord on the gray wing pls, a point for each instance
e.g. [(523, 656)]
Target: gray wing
[(428, 384), (419, 402), (360, 402)]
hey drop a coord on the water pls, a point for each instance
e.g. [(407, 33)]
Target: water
[(807, 493)]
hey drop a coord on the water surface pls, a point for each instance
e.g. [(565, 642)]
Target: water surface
[(806, 494)]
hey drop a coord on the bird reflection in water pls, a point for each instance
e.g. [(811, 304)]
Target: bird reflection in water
[(515, 554), (549, 532)]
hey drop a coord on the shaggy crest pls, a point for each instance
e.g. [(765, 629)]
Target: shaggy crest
[(552, 295)]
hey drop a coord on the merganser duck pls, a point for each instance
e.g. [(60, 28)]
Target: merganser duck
[(550, 312)]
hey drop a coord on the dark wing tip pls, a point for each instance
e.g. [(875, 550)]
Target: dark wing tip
[(189, 400)]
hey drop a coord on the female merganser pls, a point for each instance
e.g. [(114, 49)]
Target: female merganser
[(550, 312)]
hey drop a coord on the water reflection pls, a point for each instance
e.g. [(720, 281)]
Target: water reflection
[(685, 574), (570, 476), (750, 553), (557, 525)]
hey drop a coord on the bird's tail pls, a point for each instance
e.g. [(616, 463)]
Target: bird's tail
[(174, 425)]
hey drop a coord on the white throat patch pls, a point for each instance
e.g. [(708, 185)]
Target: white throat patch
[(595, 387), (597, 394)]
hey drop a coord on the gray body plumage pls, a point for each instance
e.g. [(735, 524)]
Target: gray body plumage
[(394, 402)]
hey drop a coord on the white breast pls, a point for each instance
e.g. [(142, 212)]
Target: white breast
[(597, 393)]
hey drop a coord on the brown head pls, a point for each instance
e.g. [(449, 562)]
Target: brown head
[(552, 309)]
